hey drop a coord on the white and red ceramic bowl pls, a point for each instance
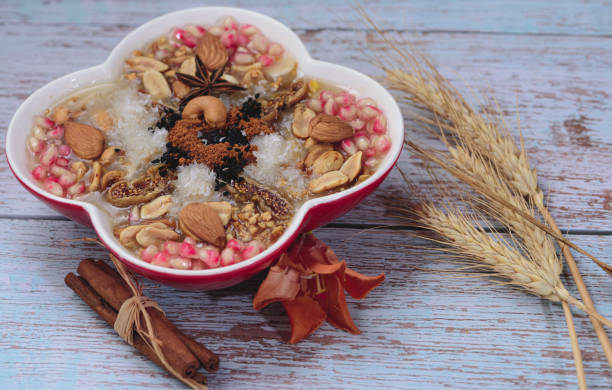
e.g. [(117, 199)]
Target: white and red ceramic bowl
[(312, 214)]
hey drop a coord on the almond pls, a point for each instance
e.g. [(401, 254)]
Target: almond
[(328, 181), (86, 141), (142, 64), (328, 128), (211, 51), (201, 222), (302, 116), (328, 161), (352, 166), (155, 83)]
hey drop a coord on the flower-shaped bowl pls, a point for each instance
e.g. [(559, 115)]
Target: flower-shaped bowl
[(312, 214)]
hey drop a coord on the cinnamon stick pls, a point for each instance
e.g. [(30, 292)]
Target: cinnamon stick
[(93, 300), (115, 293), (208, 359)]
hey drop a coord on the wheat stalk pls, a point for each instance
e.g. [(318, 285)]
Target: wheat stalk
[(486, 154)]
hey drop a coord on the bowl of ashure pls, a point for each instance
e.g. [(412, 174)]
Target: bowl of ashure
[(202, 147)]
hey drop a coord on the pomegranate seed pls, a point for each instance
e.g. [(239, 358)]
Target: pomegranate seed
[(59, 171), (357, 124), (187, 250), (347, 113), (370, 152), (64, 150), (315, 105), (39, 172), (348, 146), (49, 156), (35, 145), (252, 249), (180, 263), (197, 265), (330, 107), (242, 40), (228, 39), (76, 189), (172, 247), (62, 162), (325, 95), (371, 163), (382, 144), (258, 44), (266, 60), (40, 133), (215, 30), (380, 125), (345, 99), (362, 141), (194, 30), (67, 180), (229, 257), (44, 122), (243, 58), (54, 188), (248, 30), (363, 102), (368, 112), (229, 23), (54, 179), (235, 245), (160, 259), (148, 253), (57, 132), (210, 257), (275, 50)]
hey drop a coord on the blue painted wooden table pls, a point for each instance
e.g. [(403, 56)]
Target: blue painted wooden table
[(552, 60)]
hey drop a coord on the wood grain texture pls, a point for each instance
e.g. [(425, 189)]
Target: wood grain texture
[(420, 330)]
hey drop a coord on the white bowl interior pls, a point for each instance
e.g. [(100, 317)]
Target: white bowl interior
[(39, 101)]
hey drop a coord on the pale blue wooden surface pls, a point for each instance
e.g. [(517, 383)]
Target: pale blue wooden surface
[(420, 330)]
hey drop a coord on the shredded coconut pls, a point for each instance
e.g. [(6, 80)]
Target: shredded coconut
[(134, 114), (195, 183), (275, 166)]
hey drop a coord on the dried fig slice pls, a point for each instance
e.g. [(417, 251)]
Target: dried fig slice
[(283, 99), (271, 199), (143, 189)]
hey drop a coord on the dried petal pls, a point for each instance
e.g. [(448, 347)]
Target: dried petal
[(305, 315), (280, 285), (335, 301), (359, 285)]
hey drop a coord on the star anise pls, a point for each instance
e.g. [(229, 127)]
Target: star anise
[(205, 82)]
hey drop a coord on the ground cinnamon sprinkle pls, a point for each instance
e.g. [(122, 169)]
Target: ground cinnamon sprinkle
[(184, 135), (227, 151)]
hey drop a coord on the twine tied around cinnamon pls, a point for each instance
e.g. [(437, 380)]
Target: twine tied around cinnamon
[(129, 319)]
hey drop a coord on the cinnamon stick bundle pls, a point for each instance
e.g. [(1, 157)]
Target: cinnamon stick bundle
[(104, 290)]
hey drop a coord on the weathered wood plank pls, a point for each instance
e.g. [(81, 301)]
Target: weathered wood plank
[(505, 16), (420, 329), (558, 83)]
